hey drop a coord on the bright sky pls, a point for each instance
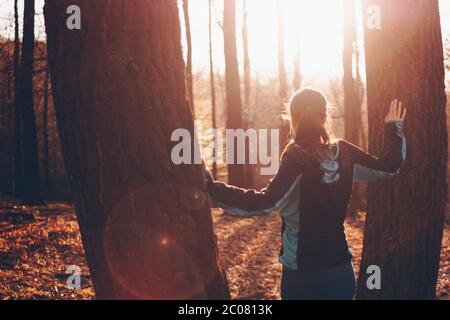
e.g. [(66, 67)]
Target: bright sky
[(317, 23), (319, 49)]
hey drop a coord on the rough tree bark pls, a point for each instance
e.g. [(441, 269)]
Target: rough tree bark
[(189, 78), (405, 215), (236, 172), (31, 185), (120, 92)]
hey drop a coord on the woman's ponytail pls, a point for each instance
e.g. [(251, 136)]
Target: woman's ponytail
[(308, 117)]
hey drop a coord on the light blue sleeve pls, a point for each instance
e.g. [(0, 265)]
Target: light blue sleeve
[(361, 173)]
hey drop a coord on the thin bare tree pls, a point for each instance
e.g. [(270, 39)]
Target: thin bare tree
[(17, 140), (189, 76), (247, 70), (31, 183), (212, 81), (283, 89), (352, 94), (236, 172), (45, 125), (247, 91), (297, 71), (282, 77)]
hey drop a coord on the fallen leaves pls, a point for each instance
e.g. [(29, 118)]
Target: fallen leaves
[(34, 254), (37, 251), (249, 249)]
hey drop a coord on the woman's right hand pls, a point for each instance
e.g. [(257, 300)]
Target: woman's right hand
[(396, 112)]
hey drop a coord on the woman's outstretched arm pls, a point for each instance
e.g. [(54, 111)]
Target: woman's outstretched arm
[(252, 202), (370, 168)]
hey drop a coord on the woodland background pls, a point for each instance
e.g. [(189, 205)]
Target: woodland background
[(39, 233)]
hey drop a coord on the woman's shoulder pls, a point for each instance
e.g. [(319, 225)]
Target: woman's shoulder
[(292, 150), (345, 151), (337, 146), (292, 146)]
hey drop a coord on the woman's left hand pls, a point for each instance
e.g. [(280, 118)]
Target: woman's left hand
[(396, 112)]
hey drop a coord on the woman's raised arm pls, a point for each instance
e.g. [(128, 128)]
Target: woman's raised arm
[(370, 168)]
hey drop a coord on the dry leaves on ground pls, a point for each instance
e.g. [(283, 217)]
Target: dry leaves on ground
[(37, 245)]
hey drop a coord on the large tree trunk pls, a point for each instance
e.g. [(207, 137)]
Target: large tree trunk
[(236, 174), (212, 81), (31, 186), (352, 100), (145, 222), (189, 78), (405, 216)]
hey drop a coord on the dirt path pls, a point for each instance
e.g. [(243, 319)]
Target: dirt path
[(249, 249)]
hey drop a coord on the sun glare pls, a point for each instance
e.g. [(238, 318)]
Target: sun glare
[(313, 26), (316, 26)]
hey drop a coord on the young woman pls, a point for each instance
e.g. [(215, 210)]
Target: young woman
[(311, 191)]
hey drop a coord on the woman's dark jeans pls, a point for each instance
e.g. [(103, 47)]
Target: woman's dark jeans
[(335, 283)]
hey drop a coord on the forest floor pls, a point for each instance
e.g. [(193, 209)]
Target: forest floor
[(38, 244)]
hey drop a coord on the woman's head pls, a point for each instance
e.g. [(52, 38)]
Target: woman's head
[(308, 115)]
